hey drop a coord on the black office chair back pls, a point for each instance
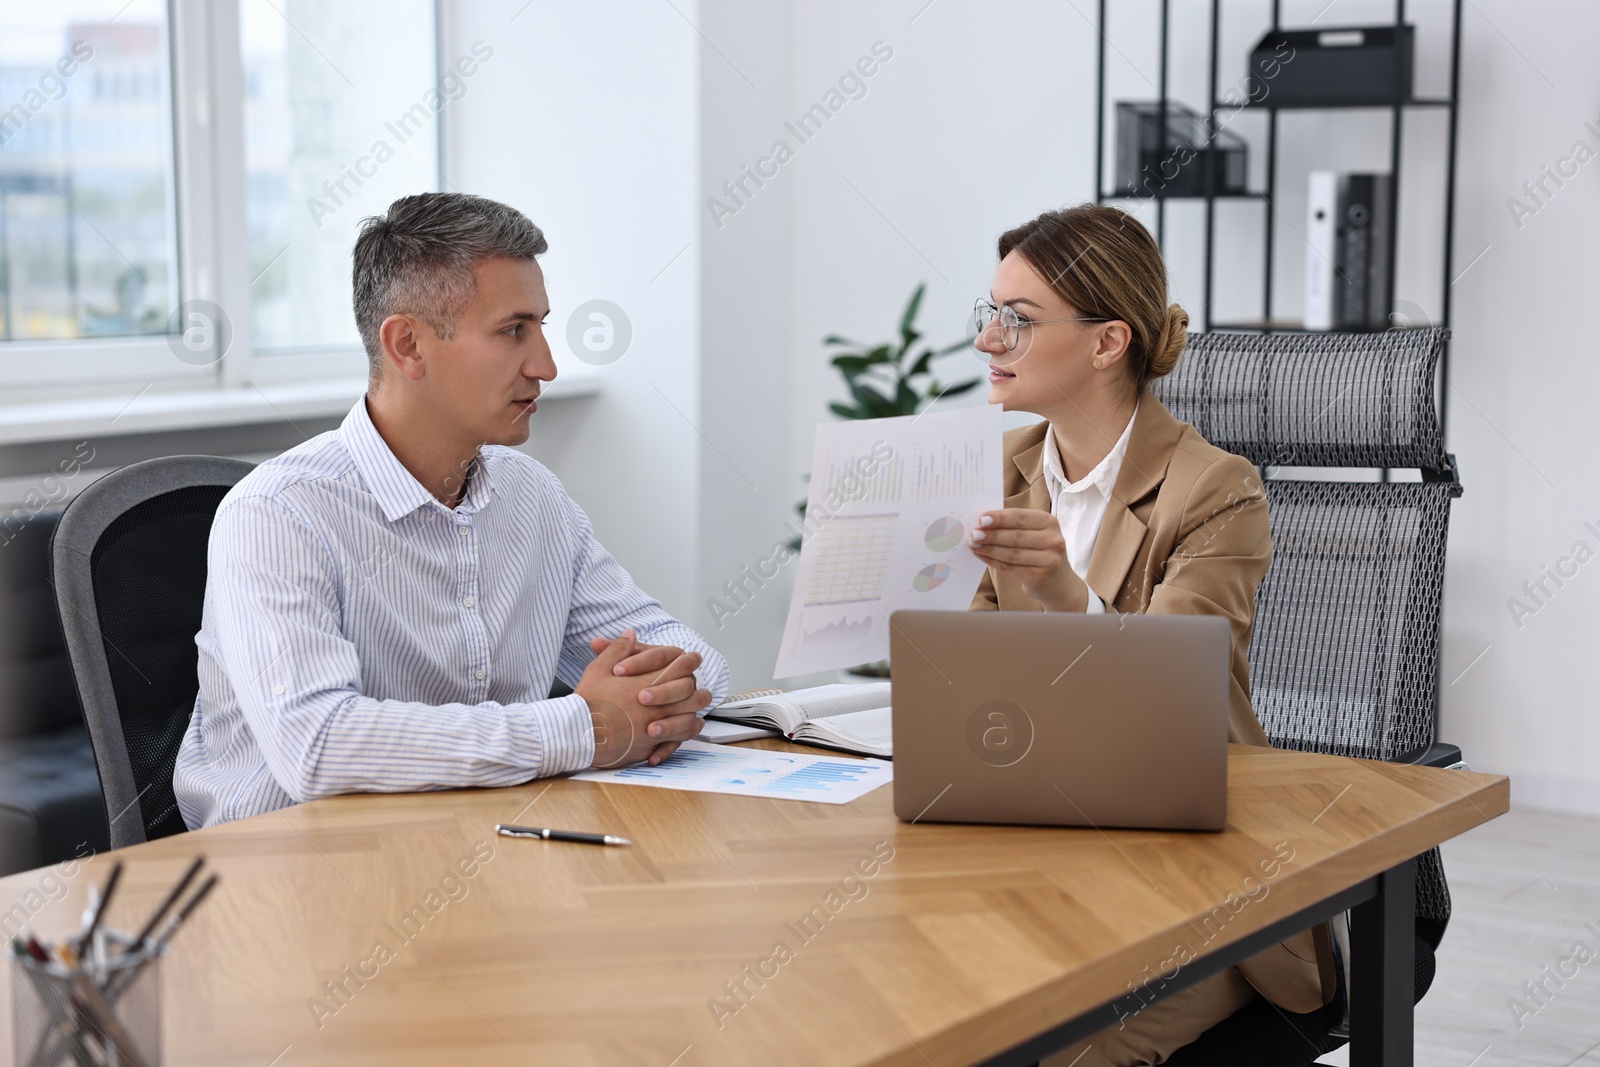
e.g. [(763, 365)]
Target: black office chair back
[(129, 560), (1345, 651), (1346, 644)]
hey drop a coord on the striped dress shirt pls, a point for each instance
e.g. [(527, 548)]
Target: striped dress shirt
[(359, 636)]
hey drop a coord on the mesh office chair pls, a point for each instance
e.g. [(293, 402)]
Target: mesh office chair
[(129, 560), (1345, 650)]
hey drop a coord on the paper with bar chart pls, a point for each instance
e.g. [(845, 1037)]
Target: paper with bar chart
[(705, 768), (891, 505)]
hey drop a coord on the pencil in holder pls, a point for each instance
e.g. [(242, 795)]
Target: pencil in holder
[(103, 1010)]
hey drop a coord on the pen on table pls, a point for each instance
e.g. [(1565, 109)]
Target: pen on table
[(560, 835)]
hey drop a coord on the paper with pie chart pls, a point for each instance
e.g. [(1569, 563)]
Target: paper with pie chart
[(888, 520)]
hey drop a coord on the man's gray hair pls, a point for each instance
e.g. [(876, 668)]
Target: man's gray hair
[(417, 259)]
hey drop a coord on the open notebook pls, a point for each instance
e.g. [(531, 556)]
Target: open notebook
[(854, 718)]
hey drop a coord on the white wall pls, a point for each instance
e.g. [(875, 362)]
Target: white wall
[(747, 487), (884, 195), (636, 119), (586, 120), (1524, 375), (973, 126), (1523, 406)]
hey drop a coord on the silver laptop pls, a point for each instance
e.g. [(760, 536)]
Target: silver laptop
[(1060, 719)]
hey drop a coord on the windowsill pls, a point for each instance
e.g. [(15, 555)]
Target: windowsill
[(153, 410)]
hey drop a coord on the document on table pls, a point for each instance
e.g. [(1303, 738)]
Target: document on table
[(888, 519), (705, 768)]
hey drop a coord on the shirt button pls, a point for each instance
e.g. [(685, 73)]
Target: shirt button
[(463, 530), (467, 602), (278, 689), (479, 673)]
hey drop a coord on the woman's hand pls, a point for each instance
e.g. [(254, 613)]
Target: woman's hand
[(1027, 543)]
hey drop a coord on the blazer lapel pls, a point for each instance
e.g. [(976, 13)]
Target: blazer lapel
[(1155, 435), (1029, 462), (1115, 548), (1031, 492)]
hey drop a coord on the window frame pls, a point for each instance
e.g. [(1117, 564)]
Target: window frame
[(209, 188)]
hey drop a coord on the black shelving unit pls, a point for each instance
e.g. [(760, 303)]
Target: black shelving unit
[(1397, 108)]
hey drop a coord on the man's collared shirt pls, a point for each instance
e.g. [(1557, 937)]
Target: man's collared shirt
[(359, 636), (1081, 505)]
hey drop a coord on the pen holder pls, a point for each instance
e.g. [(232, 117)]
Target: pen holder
[(89, 1015)]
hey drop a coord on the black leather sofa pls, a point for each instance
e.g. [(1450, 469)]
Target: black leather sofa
[(50, 802)]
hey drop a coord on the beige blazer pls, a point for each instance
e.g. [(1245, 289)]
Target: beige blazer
[(1185, 533)]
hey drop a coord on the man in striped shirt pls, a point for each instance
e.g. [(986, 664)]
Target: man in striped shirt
[(388, 603)]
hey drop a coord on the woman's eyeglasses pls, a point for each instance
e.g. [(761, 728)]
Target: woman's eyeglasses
[(985, 315)]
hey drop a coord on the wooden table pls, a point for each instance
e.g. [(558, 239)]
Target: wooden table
[(749, 931)]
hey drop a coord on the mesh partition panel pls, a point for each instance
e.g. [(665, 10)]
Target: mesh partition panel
[(149, 572)]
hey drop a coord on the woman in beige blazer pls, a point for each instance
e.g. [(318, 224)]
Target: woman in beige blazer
[(1113, 505)]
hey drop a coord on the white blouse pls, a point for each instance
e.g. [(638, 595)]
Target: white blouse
[(1080, 506)]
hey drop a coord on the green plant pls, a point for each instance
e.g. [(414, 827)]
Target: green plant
[(879, 379)]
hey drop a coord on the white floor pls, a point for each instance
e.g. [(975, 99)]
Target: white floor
[(1526, 889)]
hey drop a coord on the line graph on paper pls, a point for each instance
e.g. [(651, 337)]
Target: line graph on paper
[(852, 559), (845, 628), (893, 500)]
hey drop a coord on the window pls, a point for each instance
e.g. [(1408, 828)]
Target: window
[(335, 130), (88, 241), (163, 156)]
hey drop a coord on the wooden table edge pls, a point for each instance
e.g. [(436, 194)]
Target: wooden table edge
[(970, 1041)]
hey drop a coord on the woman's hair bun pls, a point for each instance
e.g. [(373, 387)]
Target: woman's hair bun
[(1104, 264), (1169, 342)]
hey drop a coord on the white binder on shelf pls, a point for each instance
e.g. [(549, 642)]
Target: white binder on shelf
[(1322, 205)]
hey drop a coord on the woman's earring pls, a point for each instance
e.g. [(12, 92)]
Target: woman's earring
[(1099, 364)]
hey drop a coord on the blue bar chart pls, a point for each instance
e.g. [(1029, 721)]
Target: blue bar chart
[(822, 776), (686, 764), (702, 767)]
